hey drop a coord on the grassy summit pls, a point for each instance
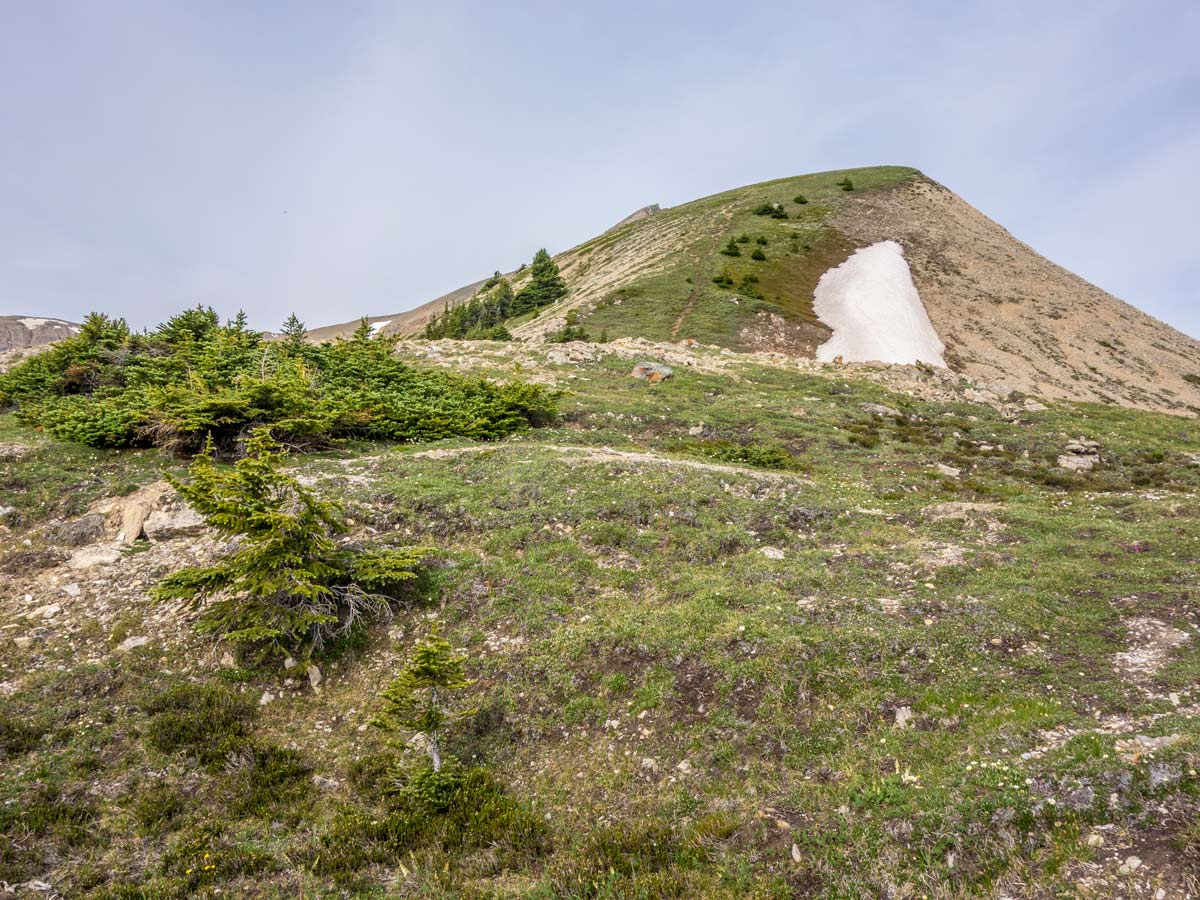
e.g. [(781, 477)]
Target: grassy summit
[(691, 290), (735, 634)]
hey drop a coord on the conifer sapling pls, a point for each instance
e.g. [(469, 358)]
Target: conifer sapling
[(420, 699)]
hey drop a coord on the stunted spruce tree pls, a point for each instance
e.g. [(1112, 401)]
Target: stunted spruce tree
[(420, 699), (288, 586), (545, 285)]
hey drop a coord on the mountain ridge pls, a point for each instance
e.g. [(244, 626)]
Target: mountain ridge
[(1005, 312)]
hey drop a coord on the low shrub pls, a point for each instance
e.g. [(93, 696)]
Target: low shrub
[(156, 807), (774, 210), (206, 854), (452, 811), (193, 378), (731, 249), (208, 721), (18, 736), (800, 199), (263, 779), (765, 456), (758, 254)]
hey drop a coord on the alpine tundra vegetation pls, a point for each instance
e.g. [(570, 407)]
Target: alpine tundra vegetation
[(409, 613)]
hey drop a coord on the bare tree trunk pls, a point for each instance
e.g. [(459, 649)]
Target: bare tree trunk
[(435, 752)]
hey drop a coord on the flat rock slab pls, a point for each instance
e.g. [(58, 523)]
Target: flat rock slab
[(93, 556)]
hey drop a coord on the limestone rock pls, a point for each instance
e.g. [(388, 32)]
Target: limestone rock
[(79, 532), (88, 557), (167, 524), (652, 372)]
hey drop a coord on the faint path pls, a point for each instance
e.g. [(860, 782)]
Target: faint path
[(607, 454)]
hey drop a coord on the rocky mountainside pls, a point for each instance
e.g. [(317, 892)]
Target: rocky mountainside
[(31, 331), (749, 625), (1004, 313)]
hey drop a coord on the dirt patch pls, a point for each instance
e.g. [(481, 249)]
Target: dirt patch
[(1151, 644)]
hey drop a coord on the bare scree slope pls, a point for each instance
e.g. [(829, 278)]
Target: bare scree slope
[(1000, 311)]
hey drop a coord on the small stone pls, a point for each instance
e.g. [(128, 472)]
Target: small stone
[(290, 663), (904, 716), (72, 590), (796, 857), (266, 698), (649, 763), (948, 471), (1131, 865), (1074, 463), (652, 372), (49, 611), (1035, 406), (684, 766), (878, 409), (771, 552), (1095, 839), (324, 783), (132, 643), (314, 676)]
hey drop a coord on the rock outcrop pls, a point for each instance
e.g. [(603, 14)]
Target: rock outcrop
[(33, 331)]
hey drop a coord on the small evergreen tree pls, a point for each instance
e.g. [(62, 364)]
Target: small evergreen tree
[(571, 331), (758, 254), (420, 701), (545, 285), (761, 241), (731, 249), (743, 238), (289, 586), (800, 199), (293, 333), (846, 184)]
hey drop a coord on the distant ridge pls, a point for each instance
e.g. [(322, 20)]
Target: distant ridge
[(33, 331)]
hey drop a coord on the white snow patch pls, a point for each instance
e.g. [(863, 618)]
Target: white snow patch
[(38, 323), (377, 327), (875, 312)]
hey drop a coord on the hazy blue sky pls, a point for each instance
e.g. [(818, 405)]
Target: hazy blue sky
[(346, 158)]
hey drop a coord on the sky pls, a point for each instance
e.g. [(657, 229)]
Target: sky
[(356, 158)]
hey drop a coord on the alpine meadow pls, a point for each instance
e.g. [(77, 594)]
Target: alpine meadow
[(815, 538)]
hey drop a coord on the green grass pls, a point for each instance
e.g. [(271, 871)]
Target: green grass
[(660, 708), (678, 298)]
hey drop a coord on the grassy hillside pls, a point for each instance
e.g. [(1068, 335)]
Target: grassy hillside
[(675, 296), (732, 635), (1005, 313)]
